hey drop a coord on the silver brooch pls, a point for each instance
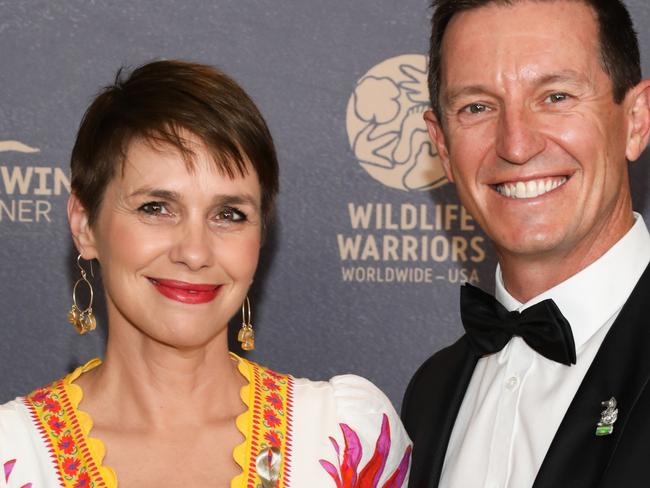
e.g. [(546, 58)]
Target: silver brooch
[(267, 465), (607, 418)]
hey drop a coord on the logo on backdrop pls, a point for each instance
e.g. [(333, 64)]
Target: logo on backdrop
[(391, 242), (385, 126), (25, 190)]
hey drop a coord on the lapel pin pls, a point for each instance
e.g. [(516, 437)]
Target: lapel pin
[(607, 418)]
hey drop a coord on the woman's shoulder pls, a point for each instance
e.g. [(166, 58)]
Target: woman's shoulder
[(15, 424), (11, 411), (24, 457), (350, 420), (44, 437), (342, 424), (348, 393)]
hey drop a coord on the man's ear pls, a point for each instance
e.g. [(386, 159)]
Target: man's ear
[(82, 233), (638, 120), (434, 127)]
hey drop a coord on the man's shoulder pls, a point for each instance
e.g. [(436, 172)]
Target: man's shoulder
[(437, 372), (441, 362)]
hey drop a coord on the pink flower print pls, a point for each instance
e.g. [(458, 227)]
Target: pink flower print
[(8, 468), (271, 418), (275, 400), (272, 438), (56, 424), (83, 481), (66, 444), (397, 478), (71, 465), (346, 474)]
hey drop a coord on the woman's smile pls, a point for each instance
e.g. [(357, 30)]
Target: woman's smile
[(181, 291)]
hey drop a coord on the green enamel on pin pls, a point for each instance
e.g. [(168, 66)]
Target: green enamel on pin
[(607, 418)]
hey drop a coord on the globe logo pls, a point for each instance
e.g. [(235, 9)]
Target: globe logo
[(385, 127)]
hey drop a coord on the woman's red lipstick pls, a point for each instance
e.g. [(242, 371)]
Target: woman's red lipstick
[(181, 291)]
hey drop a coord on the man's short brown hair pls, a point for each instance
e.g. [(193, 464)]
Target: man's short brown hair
[(619, 46)]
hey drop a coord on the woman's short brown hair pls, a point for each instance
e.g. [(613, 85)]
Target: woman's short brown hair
[(157, 102)]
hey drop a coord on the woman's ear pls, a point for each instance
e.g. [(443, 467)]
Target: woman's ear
[(82, 233)]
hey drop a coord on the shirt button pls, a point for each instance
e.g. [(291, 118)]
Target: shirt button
[(512, 382)]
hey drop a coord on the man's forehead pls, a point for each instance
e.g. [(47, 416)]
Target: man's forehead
[(544, 17), (548, 38)]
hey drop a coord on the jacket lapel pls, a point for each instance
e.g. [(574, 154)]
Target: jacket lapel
[(432, 402), (621, 368)]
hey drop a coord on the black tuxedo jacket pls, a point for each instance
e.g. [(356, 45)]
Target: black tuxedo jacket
[(576, 457)]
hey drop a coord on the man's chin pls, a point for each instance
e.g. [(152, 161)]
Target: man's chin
[(529, 244)]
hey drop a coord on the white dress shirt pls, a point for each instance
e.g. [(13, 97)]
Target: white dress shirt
[(517, 398)]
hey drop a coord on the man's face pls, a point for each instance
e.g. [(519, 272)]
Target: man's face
[(531, 134)]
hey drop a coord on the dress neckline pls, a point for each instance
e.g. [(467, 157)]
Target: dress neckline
[(266, 425), (77, 457)]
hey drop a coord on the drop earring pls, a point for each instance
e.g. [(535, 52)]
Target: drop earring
[(246, 335), (82, 320)]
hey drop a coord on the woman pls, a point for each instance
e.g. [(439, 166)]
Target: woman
[(174, 175)]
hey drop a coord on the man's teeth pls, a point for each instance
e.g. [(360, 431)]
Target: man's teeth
[(530, 188)]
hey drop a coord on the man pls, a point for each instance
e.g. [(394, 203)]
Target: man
[(537, 108)]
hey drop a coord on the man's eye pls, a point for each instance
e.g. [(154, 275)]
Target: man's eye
[(231, 214), (475, 108), (154, 208), (556, 97)]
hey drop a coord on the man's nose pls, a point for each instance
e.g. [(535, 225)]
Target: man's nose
[(518, 139)]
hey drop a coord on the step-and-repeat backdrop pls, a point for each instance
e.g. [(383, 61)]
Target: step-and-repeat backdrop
[(362, 268)]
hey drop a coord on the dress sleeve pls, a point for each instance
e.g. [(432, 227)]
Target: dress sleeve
[(371, 443), (16, 463)]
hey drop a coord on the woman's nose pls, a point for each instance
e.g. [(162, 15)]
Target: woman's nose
[(193, 245)]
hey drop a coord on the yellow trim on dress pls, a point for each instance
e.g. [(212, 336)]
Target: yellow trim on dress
[(77, 458), (65, 429), (240, 453), (266, 424)]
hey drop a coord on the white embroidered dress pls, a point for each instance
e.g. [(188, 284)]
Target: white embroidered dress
[(343, 433)]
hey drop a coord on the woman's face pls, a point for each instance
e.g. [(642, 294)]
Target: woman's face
[(178, 247)]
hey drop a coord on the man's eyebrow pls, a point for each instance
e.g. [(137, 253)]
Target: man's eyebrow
[(564, 76), (464, 91)]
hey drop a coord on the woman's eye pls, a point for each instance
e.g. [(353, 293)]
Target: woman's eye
[(231, 214), (475, 108), (556, 97), (154, 208)]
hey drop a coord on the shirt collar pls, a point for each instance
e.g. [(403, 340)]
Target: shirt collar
[(592, 296)]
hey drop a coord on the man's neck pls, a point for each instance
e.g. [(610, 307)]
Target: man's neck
[(526, 277)]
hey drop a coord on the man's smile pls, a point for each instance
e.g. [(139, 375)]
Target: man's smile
[(531, 188)]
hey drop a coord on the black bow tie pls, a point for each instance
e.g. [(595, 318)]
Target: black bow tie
[(490, 326)]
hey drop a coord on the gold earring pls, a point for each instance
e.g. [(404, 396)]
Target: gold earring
[(246, 335), (83, 320)]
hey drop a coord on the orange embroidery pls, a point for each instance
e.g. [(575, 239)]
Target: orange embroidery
[(54, 416), (271, 421)]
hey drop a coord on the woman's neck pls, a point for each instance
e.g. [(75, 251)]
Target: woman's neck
[(161, 386)]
